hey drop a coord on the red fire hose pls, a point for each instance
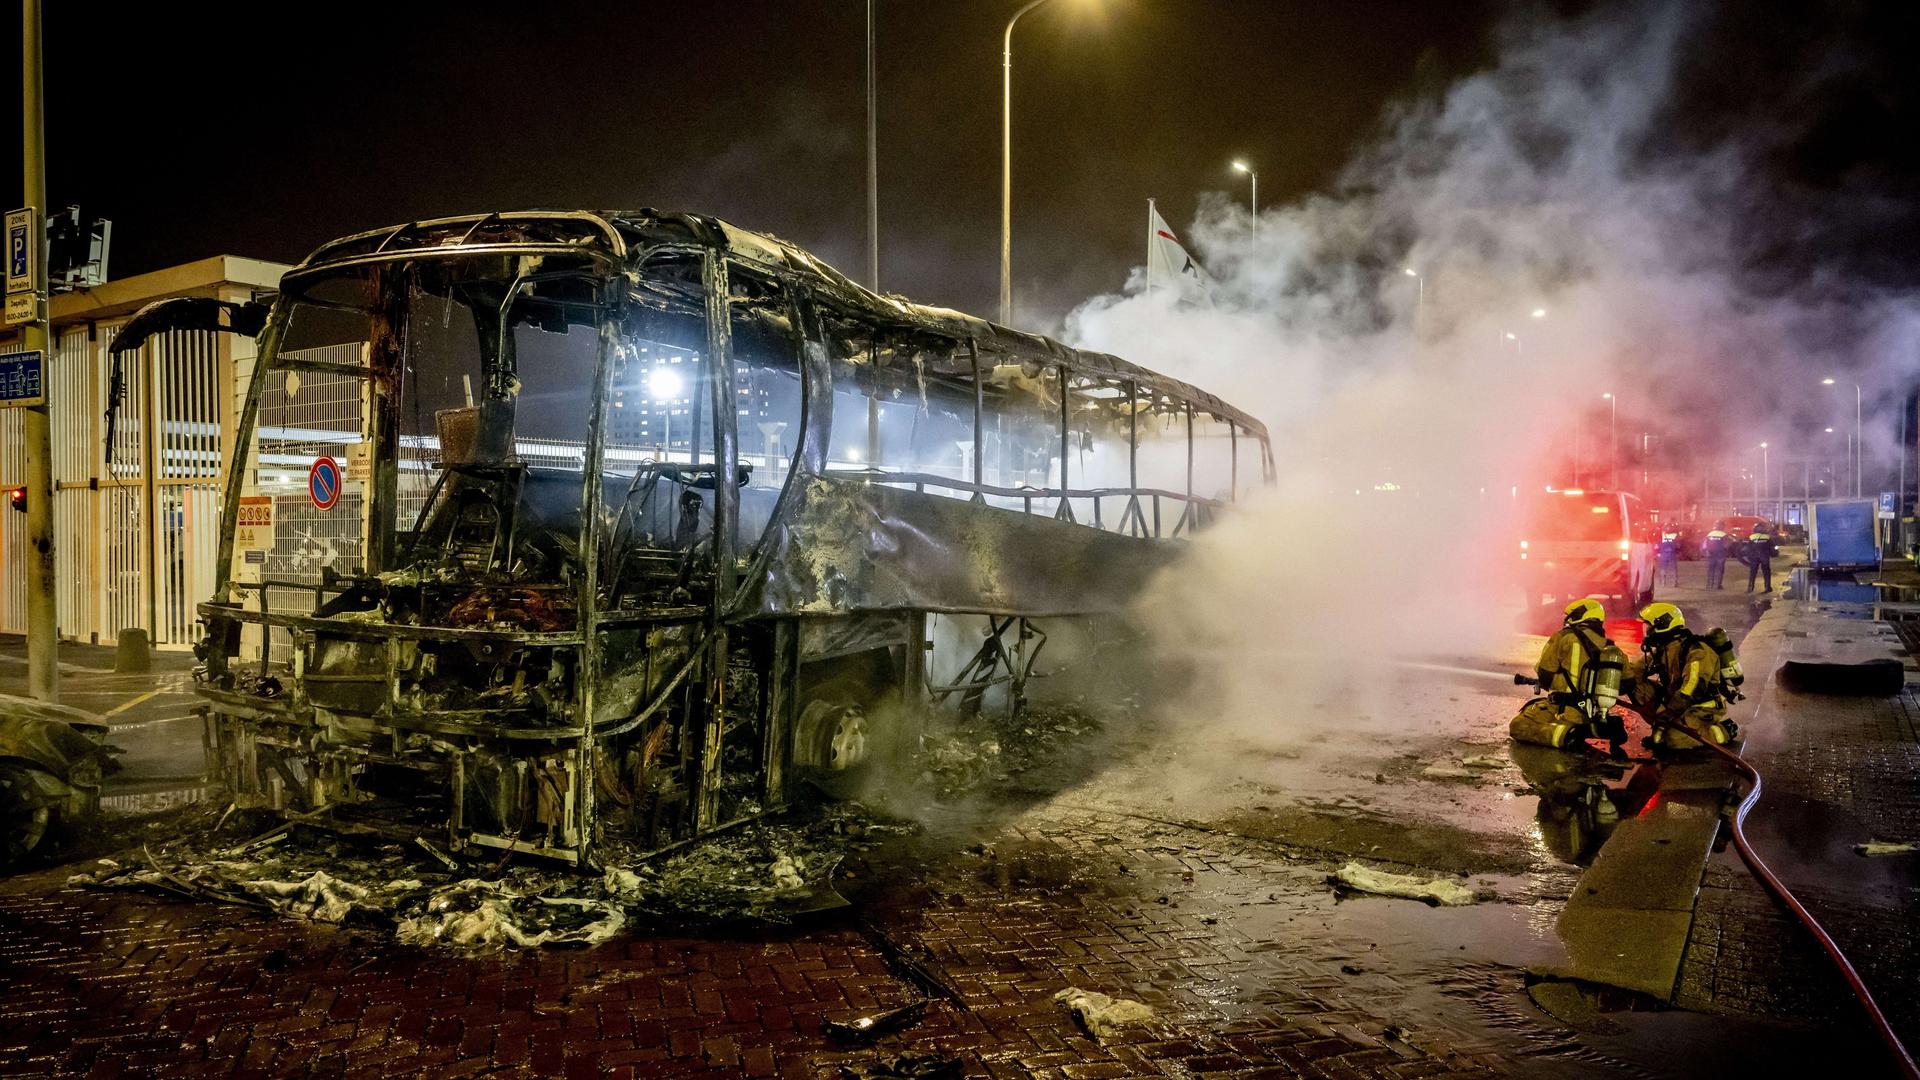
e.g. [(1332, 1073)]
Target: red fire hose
[(1774, 885)]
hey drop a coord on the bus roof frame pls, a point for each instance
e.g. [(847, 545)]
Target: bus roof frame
[(626, 237)]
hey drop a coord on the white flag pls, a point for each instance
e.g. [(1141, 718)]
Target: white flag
[(1170, 267)]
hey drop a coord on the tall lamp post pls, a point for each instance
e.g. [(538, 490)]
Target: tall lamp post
[(1857, 446), (1253, 202), (1613, 443), (1760, 489), (1420, 300), (873, 163), (1006, 164)]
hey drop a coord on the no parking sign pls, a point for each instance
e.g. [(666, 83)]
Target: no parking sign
[(323, 483)]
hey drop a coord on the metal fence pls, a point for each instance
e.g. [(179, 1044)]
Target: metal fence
[(136, 522)]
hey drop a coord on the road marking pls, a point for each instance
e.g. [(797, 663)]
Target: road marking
[(155, 722), (125, 705)]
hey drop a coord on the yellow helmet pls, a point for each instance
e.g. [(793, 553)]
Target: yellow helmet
[(1585, 610), (1662, 618)]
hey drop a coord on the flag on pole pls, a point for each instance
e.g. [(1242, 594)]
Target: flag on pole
[(1169, 266)]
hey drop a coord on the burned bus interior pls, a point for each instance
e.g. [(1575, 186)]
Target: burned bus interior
[(584, 535)]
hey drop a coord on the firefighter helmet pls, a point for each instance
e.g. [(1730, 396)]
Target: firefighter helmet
[(1585, 610), (1662, 618)]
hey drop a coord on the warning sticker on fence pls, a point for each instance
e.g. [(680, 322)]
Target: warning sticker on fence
[(254, 531)]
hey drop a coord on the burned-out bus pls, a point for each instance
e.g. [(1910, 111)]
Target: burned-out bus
[(582, 535)]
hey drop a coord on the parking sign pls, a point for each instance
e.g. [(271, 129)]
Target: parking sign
[(20, 250), (23, 265)]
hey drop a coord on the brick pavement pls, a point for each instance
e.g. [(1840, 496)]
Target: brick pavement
[(104, 984), (1840, 771)]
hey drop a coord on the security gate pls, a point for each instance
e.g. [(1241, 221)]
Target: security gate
[(135, 522)]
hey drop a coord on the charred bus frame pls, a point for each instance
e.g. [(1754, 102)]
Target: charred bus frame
[(581, 649)]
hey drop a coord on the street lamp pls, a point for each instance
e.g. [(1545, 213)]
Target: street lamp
[(1420, 303), (1006, 164), (664, 385), (1857, 447), (1760, 489), (1253, 201), (1613, 443)]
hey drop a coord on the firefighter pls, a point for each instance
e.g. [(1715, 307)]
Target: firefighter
[(1680, 683), (1669, 556), (1760, 552), (1579, 672), (1715, 550)]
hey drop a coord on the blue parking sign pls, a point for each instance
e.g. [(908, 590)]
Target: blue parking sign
[(22, 378)]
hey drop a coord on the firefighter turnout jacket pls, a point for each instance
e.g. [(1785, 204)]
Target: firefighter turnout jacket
[(1677, 684), (1564, 660)]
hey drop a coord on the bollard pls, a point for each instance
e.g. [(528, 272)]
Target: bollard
[(131, 653)]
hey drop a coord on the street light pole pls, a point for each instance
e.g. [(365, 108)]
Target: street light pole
[(873, 163), (1760, 489), (1613, 443), (1006, 164), (1420, 301), (1857, 446), (43, 679), (1253, 203)]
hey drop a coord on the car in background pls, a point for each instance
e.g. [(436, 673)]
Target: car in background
[(1579, 543), (1740, 526)]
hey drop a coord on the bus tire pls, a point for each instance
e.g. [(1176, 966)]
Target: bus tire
[(26, 818)]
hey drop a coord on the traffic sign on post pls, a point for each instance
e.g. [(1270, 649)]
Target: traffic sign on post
[(24, 265), (23, 379)]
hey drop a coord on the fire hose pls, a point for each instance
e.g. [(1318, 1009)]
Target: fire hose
[(1774, 885), (1761, 870)]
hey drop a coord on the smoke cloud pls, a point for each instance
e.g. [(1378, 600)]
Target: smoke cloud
[(1407, 412)]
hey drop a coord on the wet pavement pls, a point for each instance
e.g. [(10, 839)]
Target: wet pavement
[(1186, 870)]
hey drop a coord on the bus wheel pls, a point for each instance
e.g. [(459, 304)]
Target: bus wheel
[(25, 816), (832, 744)]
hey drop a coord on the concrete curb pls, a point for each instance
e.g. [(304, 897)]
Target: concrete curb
[(1629, 918)]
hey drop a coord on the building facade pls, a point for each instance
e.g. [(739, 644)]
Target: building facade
[(136, 514)]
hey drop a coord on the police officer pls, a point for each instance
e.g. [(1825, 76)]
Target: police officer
[(1759, 556), (1669, 556), (1565, 671), (1677, 683), (1716, 549)]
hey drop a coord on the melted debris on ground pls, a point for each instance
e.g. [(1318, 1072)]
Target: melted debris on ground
[(770, 870), (1435, 892), (963, 756), (1100, 1014)]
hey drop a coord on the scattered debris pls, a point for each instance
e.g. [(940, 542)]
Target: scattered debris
[(960, 758), (1875, 848), (912, 1066), (476, 914), (873, 1025), (320, 896), (1436, 892), (766, 870), (1101, 1014), (439, 856), (1482, 761)]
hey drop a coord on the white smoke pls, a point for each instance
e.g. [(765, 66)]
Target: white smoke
[(1402, 428)]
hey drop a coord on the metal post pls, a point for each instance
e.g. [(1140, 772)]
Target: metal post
[(1006, 165), (43, 629), (1859, 444), (873, 163), (1613, 444)]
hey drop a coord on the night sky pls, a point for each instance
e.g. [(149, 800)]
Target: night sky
[(250, 134)]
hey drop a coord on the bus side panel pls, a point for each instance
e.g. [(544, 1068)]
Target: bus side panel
[(843, 546)]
